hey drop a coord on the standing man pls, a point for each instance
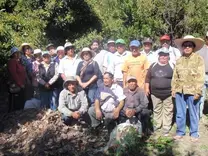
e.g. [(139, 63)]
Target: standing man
[(158, 83), (174, 53), (204, 54), (135, 65), (52, 50), (118, 60), (147, 50), (68, 65), (60, 54)]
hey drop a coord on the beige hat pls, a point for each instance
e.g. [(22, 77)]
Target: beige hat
[(131, 78), (25, 44), (69, 79), (199, 43), (86, 49), (37, 51)]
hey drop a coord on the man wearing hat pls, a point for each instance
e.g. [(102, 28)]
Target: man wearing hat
[(68, 65), (135, 65), (136, 103), (187, 84), (174, 53), (203, 52), (60, 54), (158, 83), (72, 101), (52, 50), (118, 60), (147, 50)]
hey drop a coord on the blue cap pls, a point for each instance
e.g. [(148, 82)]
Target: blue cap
[(14, 50), (135, 43)]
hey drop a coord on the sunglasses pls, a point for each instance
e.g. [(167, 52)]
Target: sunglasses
[(188, 45)]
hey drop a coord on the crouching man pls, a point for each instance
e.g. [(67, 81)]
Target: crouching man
[(136, 104), (109, 101), (72, 102)]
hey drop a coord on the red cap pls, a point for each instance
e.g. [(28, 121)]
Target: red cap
[(165, 37)]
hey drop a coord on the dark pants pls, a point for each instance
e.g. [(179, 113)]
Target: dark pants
[(143, 117), (70, 120), (17, 100)]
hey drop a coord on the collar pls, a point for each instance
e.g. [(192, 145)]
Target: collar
[(143, 52), (72, 94), (124, 53), (189, 56)]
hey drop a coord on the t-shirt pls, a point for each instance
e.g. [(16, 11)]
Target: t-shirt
[(159, 77), (91, 70), (137, 67)]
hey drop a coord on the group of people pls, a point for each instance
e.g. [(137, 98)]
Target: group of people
[(114, 85)]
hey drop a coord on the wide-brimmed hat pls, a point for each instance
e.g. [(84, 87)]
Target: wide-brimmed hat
[(37, 51), (69, 79), (199, 43), (25, 44), (86, 49), (14, 50)]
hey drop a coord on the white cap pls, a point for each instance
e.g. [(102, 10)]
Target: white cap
[(59, 48), (37, 51), (68, 44)]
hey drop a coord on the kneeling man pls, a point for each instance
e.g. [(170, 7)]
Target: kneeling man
[(72, 101)]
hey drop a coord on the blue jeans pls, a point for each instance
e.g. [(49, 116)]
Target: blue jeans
[(90, 92), (55, 98), (203, 98), (46, 98), (193, 106)]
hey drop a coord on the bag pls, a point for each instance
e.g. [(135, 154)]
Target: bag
[(13, 88)]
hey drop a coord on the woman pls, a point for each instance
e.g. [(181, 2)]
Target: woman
[(87, 73), (187, 84), (158, 83), (35, 67), (17, 76)]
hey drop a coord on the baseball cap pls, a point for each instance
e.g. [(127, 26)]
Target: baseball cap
[(120, 41), (45, 53), (110, 41), (37, 51), (59, 48), (147, 40), (131, 78), (165, 37), (163, 50), (135, 43)]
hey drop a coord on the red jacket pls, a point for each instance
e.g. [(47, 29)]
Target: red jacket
[(17, 72)]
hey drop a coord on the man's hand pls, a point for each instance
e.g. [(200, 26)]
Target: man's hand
[(196, 96), (76, 115), (173, 94), (84, 85), (147, 91), (116, 113), (130, 112), (47, 85), (98, 114)]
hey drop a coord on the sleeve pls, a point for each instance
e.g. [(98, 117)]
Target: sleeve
[(63, 104), (120, 93), (84, 103), (12, 67), (174, 79), (97, 94), (143, 102), (111, 67), (61, 68), (148, 76), (96, 68), (56, 75), (200, 76), (79, 69), (124, 67), (106, 60), (177, 53), (39, 79)]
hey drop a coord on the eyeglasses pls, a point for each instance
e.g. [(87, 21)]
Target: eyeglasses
[(188, 45)]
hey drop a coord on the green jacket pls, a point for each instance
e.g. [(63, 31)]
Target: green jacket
[(188, 76)]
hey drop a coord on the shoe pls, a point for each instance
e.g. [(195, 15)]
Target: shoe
[(178, 137)]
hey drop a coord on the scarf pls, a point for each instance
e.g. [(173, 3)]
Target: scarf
[(84, 67)]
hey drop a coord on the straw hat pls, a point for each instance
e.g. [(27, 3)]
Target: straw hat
[(86, 49), (199, 43), (25, 44)]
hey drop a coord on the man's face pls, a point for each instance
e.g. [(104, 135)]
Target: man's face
[(132, 85), (52, 50), (135, 51), (111, 47), (72, 87), (165, 43), (70, 51), (94, 46), (38, 57), (163, 58), (60, 54), (120, 48), (27, 50), (107, 80), (147, 46)]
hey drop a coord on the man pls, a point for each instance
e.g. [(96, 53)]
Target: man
[(52, 50), (68, 65), (109, 56), (158, 83), (118, 60), (60, 54), (135, 65), (136, 104), (147, 50), (109, 101), (204, 54), (72, 101), (174, 53)]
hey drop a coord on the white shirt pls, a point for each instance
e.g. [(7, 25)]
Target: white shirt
[(69, 67), (108, 59), (116, 64), (151, 56), (99, 58), (174, 54)]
